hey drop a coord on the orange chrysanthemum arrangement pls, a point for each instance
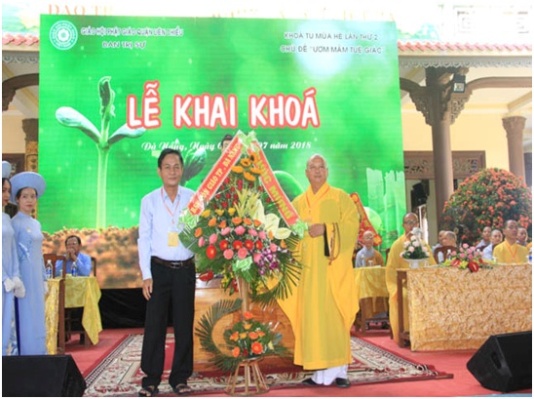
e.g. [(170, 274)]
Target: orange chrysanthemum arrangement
[(249, 339), (487, 198)]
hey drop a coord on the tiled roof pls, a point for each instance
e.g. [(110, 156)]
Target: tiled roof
[(429, 47), (20, 39)]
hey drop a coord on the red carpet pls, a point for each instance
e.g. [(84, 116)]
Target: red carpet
[(119, 374)]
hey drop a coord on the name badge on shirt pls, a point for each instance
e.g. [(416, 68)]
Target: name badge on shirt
[(172, 239)]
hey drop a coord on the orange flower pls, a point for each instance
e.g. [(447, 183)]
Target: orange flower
[(248, 315), (236, 352), (257, 223), (254, 170), (234, 336), (253, 335), (237, 169), (198, 232), (247, 221), (261, 333), (237, 220), (253, 157), (283, 244), (256, 348), (212, 222), (223, 224)]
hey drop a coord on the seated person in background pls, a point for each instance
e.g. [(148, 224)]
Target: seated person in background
[(486, 238), (448, 240), (394, 262), (522, 236), (83, 261), (495, 239), (509, 251), (368, 256), (441, 234)]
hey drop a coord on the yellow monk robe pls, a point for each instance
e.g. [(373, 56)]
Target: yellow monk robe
[(506, 253), (394, 262), (323, 306)]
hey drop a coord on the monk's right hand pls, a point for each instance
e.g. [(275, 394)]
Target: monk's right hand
[(147, 288)]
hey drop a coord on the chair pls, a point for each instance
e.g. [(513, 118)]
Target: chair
[(73, 316), (444, 251), (53, 258)]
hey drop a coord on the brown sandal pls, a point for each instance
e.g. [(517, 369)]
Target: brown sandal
[(148, 391)]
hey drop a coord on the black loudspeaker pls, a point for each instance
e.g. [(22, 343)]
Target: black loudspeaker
[(419, 194), (47, 375), (504, 362)]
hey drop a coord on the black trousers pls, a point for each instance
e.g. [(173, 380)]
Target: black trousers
[(176, 288)]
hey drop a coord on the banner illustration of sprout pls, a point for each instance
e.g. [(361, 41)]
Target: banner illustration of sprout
[(70, 117)]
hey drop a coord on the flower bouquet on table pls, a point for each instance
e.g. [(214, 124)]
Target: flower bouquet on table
[(467, 257), (415, 248)]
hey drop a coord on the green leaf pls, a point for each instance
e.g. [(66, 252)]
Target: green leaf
[(194, 161), (125, 132), (69, 117), (107, 98)]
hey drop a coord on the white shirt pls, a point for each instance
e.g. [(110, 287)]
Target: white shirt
[(160, 216)]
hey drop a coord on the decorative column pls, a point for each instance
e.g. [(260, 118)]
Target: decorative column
[(440, 106), (514, 126), (31, 128)]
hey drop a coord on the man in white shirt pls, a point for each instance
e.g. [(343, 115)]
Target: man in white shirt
[(169, 278)]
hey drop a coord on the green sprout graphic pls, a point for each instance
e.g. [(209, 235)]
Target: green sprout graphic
[(69, 117)]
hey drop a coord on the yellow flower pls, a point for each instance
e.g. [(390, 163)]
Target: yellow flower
[(243, 335), (237, 169), (219, 212), (255, 170), (247, 326), (248, 176), (245, 162), (206, 213), (231, 211)]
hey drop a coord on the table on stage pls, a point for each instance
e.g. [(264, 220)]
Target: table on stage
[(79, 292), (372, 293), (453, 309)]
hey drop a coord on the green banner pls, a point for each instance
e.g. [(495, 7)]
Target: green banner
[(115, 91)]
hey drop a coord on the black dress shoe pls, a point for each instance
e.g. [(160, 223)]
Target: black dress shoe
[(309, 381), (342, 382)]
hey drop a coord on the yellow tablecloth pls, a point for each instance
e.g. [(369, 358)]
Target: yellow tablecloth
[(52, 315), (79, 292), (457, 309), (371, 283)]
